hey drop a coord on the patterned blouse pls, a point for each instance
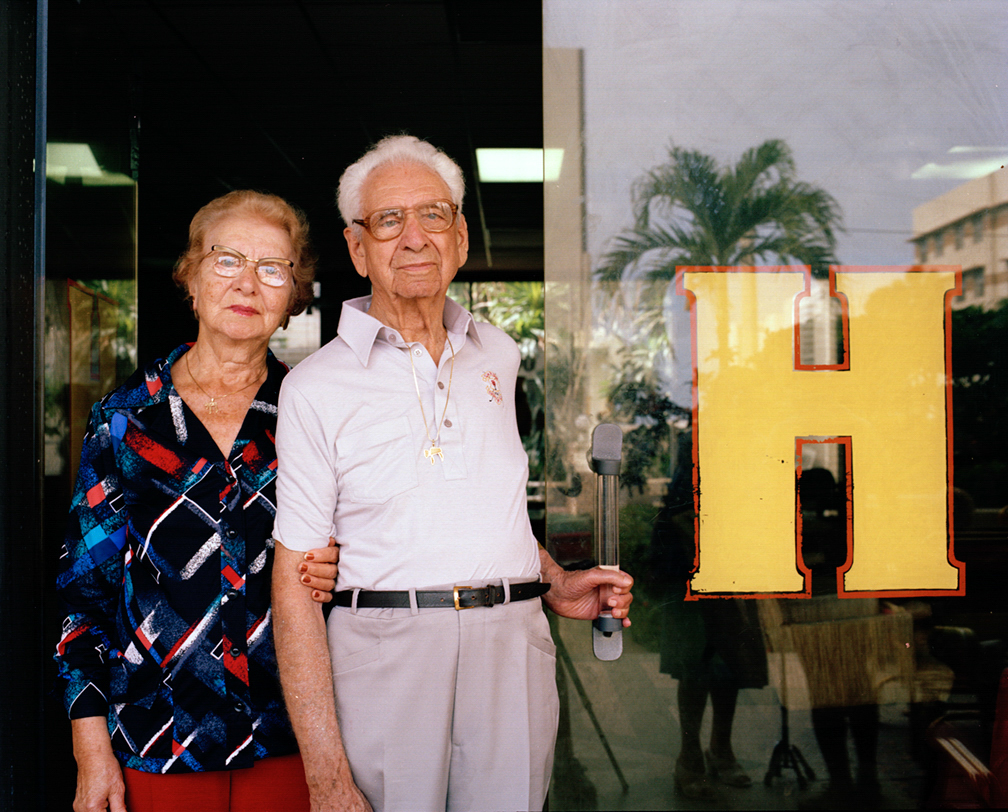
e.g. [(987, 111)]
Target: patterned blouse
[(165, 577)]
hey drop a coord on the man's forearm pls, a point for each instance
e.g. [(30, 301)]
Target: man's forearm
[(547, 566), (584, 593), (306, 676), (551, 573)]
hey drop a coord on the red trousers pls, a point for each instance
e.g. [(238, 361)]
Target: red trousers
[(272, 785)]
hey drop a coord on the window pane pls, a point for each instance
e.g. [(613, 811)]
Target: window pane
[(518, 308), (717, 133)]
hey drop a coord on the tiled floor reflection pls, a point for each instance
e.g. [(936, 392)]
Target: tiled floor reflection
[(635, 707)]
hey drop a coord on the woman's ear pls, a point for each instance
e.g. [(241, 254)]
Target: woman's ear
[(194, 296)]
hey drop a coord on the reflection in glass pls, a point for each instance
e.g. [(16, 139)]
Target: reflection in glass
[(91, 297), (301, 336), (518, 308), (895, 123)]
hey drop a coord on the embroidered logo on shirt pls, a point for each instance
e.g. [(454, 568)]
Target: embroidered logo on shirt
[(493, 387)]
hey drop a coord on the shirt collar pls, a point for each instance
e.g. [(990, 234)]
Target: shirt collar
[(360, 330)]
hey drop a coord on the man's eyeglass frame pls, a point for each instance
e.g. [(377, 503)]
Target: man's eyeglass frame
[(365, 222)]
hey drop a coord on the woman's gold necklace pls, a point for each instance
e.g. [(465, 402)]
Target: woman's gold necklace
[(211, 404), (435, 449)]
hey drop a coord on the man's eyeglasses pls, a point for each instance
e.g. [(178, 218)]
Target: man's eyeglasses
[(386, 224), (271, 271)]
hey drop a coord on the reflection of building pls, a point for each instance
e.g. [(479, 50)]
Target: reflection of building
[(567, 264), (968, 226), (571, 392), (302, 335)]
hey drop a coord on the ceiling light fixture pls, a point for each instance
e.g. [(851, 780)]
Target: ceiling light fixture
[(78, 163), (498, 165)]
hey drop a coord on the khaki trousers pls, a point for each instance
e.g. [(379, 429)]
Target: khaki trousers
[(447, 710)]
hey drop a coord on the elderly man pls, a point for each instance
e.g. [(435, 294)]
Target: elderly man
[(399, 438)]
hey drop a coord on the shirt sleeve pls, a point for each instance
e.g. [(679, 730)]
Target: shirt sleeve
[(90, 574), (306, 474)]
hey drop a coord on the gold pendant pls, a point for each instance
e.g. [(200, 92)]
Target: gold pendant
[(433, 451), (211, 406)]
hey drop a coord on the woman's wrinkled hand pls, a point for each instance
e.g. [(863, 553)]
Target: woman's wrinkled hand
[(100, 783)]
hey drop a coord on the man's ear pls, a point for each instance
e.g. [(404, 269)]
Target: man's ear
[(463, 240), (356, 247)]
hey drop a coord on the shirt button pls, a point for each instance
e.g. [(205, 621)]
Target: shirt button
[(231, 533), (447, 424), (440, 385), (235, 651), (418, 352), (231, 594), (239, 707)]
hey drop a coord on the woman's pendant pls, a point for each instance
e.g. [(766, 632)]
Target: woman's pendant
[(211, 406), (433, 451)]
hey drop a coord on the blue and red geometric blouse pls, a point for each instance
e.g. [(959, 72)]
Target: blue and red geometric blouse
[(165, 577)]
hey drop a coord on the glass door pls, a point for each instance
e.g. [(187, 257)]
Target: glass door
[(777, 259)]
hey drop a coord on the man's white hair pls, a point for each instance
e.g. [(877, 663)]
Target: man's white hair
[(395, 149)]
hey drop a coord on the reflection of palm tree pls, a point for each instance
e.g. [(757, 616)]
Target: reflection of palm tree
[(690, 212)]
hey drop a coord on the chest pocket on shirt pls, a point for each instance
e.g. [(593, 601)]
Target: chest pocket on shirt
[(377, 463)]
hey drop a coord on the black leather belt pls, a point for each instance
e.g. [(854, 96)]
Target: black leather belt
[(461, 597)]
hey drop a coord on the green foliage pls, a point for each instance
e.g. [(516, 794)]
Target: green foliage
[(519, 309), (637, 399), (689, 211), (123, 291), (636, 527), (646, 445)]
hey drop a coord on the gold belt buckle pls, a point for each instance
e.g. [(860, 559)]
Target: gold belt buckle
[(455, 591)]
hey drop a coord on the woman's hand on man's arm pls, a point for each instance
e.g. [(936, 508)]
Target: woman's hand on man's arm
[(317, 571)]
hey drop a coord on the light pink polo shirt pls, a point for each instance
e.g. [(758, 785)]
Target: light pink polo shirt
[(350, 442)]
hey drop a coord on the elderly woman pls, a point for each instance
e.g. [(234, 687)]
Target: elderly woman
[(167, 646)]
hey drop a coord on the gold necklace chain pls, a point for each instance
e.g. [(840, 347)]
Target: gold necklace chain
[(435, 449), (211, 404)]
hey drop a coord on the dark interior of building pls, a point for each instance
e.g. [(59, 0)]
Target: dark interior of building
[(193, 99)]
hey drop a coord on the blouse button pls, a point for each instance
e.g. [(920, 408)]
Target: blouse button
[(440, 385), (447, 424), (418, 352)]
